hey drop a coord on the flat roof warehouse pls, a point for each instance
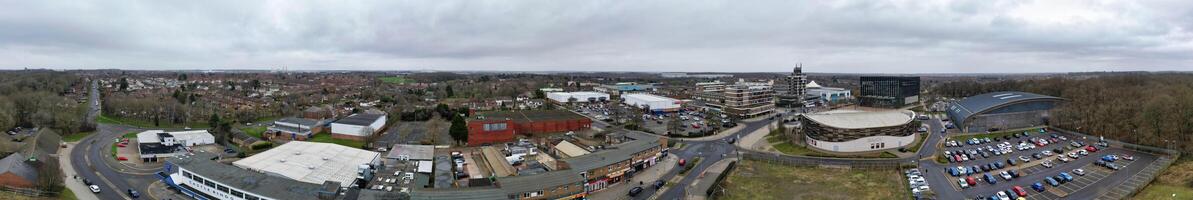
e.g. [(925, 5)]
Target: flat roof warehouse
[(311, 162)]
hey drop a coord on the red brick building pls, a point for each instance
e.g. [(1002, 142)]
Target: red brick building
[(501, 126)]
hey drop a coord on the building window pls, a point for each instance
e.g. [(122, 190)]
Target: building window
[(223, 189), (251, 197), (209, 184), (237, 194)]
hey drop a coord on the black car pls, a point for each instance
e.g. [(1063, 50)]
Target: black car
[(635, 191), (134, 194), (732, 140), (659, 184), (1057, 151)]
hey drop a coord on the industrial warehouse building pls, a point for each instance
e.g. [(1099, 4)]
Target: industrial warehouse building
[(1001, 111), (501, 126), (358, 126), (857, 131), (577, 97), (657, 104), (312, 162), (201, 177)]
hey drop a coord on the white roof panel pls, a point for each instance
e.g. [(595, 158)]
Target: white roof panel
[(857, 120), (311, 162)]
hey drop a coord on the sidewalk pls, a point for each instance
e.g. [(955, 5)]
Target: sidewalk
[(751, 140), (647, 177), (707, 179), (74, 185)]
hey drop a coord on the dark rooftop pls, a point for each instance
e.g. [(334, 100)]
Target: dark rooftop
[(614, 153), (157, 148), (299, 121), (528, 115), (978, 104), (243, 179), (360, 119)]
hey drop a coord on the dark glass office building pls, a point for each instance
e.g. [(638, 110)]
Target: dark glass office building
[(889, 91)]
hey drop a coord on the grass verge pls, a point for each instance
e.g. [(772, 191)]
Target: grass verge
[(254, 131), (76, 137), (66, 194), (1176, 180), (326, 138), (761, 180)]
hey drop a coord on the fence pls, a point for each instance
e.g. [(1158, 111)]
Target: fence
[(27, 192), (1137, 181), (896, 163)]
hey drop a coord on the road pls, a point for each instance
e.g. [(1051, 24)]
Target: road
[(91, 160), (711, 151)]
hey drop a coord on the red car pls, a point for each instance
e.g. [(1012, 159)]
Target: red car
[(1091, 149), (970, 181), (957, 158), (682, 161), (121, 158), (1019, 191), (121, 145)]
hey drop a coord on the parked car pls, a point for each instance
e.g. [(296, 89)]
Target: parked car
[(1047, 164), (1019, 191), (659, 184), (962, 183), (1128, 157), (990, 179), (1051, 181), (94, 188), (1079, 172), (1038, 187)]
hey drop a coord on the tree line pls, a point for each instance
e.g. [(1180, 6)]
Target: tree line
[(41, 98)]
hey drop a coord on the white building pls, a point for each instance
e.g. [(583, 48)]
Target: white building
[(153, 145), (312, 162), (200, 177), (357, 126), (829, 94), (654, 102), (859, 131), (579, 97)]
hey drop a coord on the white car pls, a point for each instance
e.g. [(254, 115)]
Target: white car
[(961, 181), (94, 188)]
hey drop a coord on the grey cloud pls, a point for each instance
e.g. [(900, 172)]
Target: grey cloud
[(667, 35)]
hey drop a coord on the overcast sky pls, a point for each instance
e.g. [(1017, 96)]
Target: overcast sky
[(863, 36)]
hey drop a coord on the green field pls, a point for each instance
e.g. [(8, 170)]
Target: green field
[(326, 138), (395, 80), (254, 131), (75, 137), (1176, 180), (760, 180), (146, 124)]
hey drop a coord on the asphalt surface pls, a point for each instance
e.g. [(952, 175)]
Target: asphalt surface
[(711, 151), (1083, 187), (91, 160)]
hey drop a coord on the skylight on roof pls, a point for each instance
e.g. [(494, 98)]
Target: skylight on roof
[(1008, 97)]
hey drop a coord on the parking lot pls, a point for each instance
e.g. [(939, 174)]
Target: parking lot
[(1096, 179), (692, 122)]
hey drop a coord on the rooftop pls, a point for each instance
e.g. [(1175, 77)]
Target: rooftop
[(569, 149), (360, 119), (522, 184), (848, 119), (615, 153), (299, 121), (254, 182), (311, 162), (529, 115), (977, 104), (648, 97), (412, 152), (15, 164)]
